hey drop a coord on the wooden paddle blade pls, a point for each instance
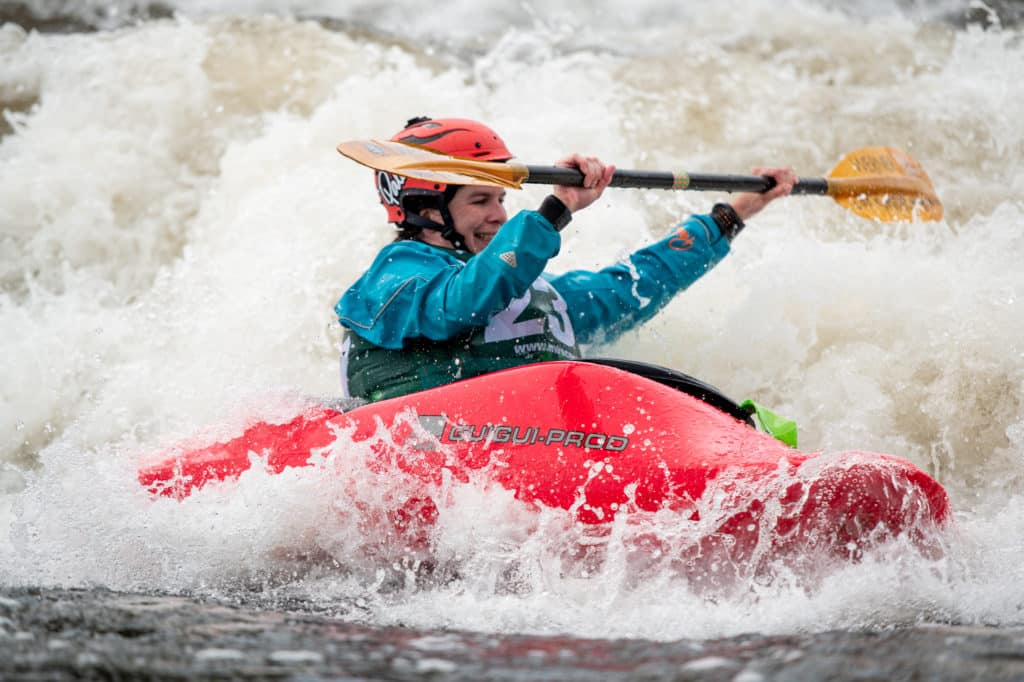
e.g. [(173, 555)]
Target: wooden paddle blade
[(421, 163), (885, 184)]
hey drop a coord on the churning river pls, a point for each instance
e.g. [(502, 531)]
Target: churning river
[(176, 225)]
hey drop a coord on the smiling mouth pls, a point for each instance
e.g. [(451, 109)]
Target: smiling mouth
[(484, 236)]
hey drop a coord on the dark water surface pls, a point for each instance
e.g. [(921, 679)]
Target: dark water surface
[(67, 16), (53, 634)]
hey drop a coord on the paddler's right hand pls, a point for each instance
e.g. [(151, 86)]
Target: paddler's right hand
[(596, 177)]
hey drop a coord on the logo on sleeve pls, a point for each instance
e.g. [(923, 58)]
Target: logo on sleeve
[(681, 241), (509, 257)]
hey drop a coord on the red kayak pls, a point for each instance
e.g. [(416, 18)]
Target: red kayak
[(598, 441)]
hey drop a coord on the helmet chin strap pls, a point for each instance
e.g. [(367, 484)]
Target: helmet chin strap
[(447, 229)]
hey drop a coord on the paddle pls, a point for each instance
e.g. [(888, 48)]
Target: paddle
[(881, 183)]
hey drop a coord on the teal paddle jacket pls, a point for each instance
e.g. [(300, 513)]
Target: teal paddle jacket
[(422, 316)]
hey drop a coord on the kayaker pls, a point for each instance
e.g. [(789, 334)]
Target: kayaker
[(462, 289)]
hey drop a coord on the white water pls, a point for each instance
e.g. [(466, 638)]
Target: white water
[(175, 227)]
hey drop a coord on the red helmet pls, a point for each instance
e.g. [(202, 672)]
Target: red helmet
[(453, 136)]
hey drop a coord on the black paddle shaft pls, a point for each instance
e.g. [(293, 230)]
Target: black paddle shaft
[(556, 175)]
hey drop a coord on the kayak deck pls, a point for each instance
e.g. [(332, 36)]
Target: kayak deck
[(598, 441)]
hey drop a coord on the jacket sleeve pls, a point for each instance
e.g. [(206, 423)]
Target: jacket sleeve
[(609, 302), (414, 290)]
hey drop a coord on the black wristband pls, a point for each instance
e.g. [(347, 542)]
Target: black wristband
[(728, 221), (557, 213)]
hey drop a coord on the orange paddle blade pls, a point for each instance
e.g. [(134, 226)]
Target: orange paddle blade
[(885, 184), (424, 164)]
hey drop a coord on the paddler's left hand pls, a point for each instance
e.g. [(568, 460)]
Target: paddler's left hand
[(596, 177), (748, 204)]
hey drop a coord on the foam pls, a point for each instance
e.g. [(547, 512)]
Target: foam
[(176, 227)]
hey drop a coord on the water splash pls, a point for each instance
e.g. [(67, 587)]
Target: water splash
[(175, 228)]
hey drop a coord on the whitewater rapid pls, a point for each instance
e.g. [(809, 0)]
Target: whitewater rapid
[(175, 227)]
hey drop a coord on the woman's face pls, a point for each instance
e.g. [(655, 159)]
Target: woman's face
[(478, 214)]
